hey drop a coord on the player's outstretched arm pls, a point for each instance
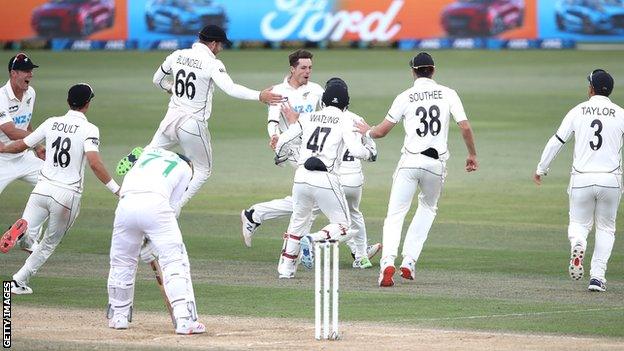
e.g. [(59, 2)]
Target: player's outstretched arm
[(14, 147), (13, 132), (98, 168), (471, 159), (374, 132)]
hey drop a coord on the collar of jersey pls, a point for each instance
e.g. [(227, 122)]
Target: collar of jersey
[(204, 48), (74, 113), (600, 97), (423, 81), (287, 85), (10, 92)]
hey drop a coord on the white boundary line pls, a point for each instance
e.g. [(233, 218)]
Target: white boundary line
[(508, 315)]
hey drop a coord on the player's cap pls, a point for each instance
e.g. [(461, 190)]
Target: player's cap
[(601, 81), (79, 95), (423, 59), (336, 81), (337, 96), (213, 32), (21, 62)]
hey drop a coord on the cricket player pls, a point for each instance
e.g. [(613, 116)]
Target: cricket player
[(195, 73), (71, 142), (350, 171), (596, 177), (149, 195), (17, 101), (325, 135), (425, 109), (304, 96)]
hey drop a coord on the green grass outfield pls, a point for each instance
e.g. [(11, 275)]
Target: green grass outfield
[(497, 254)]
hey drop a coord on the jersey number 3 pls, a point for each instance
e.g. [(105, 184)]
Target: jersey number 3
[(592, 145)]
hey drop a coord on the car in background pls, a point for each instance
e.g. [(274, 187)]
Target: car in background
[(183, 16), (73, 17), (482, 17), (590, 17)]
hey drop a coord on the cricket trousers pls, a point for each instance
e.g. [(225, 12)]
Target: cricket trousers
[(61, 207), (312, 189), (193, 137), (414, 171), (589, 205), (352, 184), (24, 167), (149, 215)]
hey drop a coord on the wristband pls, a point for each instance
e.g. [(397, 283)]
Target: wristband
[(113, 186), (368, 133)]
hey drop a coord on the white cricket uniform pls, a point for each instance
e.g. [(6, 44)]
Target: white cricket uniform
[(352, 180), (304, 99), (425, 110), (325, 135), (596, 178), (59, 189), (148, 197), (195, 72), (25, 165)]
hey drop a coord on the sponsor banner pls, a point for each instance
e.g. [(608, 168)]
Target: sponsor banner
[(88, 45), (596, 20), (445, 18), (316, 20), (89, 19), (333, 20), (489, 43)]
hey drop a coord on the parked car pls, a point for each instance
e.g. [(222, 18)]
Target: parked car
[(183, 16), (482, 17), (73, 17), (590, 16)]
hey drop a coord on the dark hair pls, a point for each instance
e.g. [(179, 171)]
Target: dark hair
[(424, 71), (293, 58)]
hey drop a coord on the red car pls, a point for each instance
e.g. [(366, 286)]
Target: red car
[(73, 17), (482, 17)]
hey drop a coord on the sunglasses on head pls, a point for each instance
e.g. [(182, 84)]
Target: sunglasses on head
[(21, 57)]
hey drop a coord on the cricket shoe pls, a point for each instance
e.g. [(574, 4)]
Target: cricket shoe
[(249, 227), (125, 164), (307, 252), (596, 285), (408, 270), (386, 277), (15, 232), (362, 263), (20, 289), (119, 321), (187, 326), (371, 251), (576, 262)]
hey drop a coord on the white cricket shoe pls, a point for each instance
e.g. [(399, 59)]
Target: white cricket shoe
[(119, 321), (307, 251), (20, 289), (187, 326), (248, 228), (576, 262), (597, 285), (372, 250)]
